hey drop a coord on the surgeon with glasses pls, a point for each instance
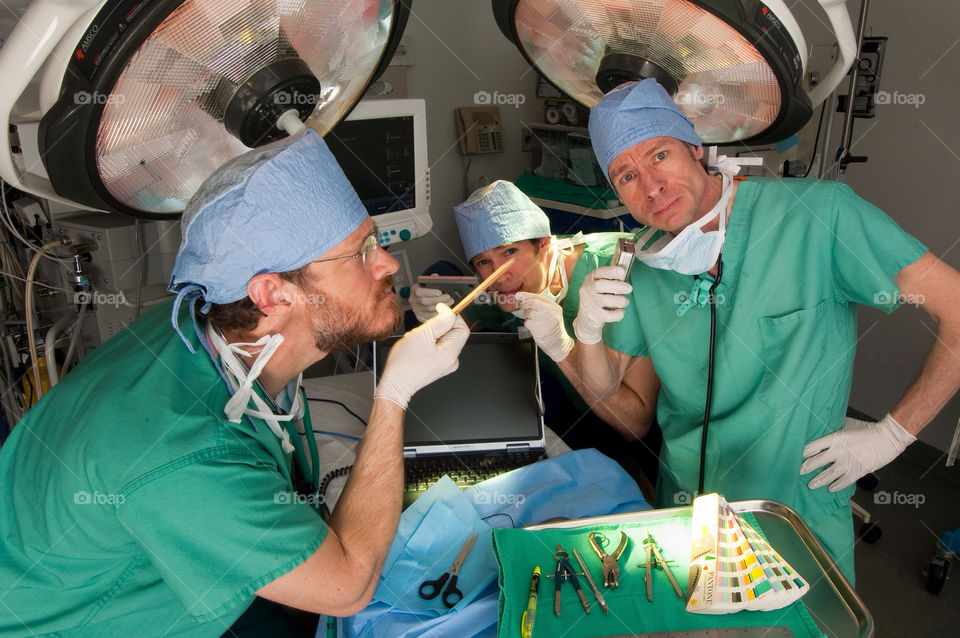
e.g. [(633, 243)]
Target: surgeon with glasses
[(162, 486)]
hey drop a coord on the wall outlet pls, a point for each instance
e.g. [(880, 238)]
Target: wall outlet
[(403, 56)]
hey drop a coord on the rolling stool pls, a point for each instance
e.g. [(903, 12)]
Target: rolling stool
[(947, 549)]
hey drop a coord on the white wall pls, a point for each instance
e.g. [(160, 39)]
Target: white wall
[(458, 50), (912, 173)]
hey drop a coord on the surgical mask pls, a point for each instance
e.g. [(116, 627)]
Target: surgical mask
[(692, 251), (241, 381), (559, 248)]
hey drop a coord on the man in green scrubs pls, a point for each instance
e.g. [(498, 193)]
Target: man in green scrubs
[(794, 259), (151, 492)]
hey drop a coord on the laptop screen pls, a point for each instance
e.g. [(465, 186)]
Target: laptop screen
[(490, 401)]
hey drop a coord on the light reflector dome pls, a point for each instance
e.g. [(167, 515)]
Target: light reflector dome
[(159, 94), (735, 68)]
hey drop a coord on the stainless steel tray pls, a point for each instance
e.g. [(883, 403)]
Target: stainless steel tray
[(831, 601)]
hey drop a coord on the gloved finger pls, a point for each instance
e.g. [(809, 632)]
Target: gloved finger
[(457, 333), (818, 445), (609, 272), (612, 315), (612, 286), (450, 343), (843, 482), (828, 475), (531, 301), (613, 301), (440, 322), (424, 292), (818, 460), (452, 329)]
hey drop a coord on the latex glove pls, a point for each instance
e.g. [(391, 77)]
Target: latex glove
[(602, 300), (859, 447), (424, 301), (422, 356), (544, 319)]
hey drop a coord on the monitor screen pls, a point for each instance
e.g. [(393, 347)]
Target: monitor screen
[(381, 147), (492, 396)]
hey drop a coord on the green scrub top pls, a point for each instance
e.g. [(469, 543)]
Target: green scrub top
[(132, 506), (597, 251), (798, 257)]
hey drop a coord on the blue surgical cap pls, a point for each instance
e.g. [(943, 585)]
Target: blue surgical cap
[(274, 209), (498, 214), (632, 113)]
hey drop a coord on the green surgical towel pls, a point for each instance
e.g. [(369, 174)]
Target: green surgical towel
[(518, 551)]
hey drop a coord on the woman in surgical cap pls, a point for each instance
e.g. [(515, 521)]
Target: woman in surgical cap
[(540, 291)]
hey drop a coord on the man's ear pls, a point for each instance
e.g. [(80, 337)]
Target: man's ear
[(272, 294), (544, 242)]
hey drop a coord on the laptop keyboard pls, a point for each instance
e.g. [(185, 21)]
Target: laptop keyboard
[(464, 470)]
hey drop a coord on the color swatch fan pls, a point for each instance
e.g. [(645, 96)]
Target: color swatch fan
[(732, 567)]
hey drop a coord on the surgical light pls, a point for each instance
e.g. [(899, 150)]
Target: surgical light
[(735, 67), (138, 102)]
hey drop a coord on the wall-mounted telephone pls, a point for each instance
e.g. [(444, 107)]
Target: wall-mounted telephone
[(479, 129)]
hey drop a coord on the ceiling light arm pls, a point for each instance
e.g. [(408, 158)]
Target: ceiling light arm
[(40, 29), (836, 11), (846, 137)]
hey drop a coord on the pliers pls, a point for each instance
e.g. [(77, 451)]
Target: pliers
[(611, 571), (563, 572)]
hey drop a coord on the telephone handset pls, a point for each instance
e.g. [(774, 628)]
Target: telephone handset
[(479, 129)]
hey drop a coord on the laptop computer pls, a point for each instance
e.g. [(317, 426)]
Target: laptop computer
[(483, 419)]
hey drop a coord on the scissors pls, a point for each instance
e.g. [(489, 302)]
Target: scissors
[(451, 595)]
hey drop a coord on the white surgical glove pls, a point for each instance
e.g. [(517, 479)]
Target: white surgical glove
[(858, 448), (602, 300), (422, 356), (424, 301), (544, 319)]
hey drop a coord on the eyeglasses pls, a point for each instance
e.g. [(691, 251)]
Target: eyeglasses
[(367, 254)]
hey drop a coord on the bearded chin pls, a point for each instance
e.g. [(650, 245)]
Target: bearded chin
[(339, 328)]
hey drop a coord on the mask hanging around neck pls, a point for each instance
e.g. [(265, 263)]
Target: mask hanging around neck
[(241, 383)]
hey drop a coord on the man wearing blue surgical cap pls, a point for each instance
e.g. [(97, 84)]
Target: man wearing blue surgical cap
[(154, 489), (788, 261), (540, 291)]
